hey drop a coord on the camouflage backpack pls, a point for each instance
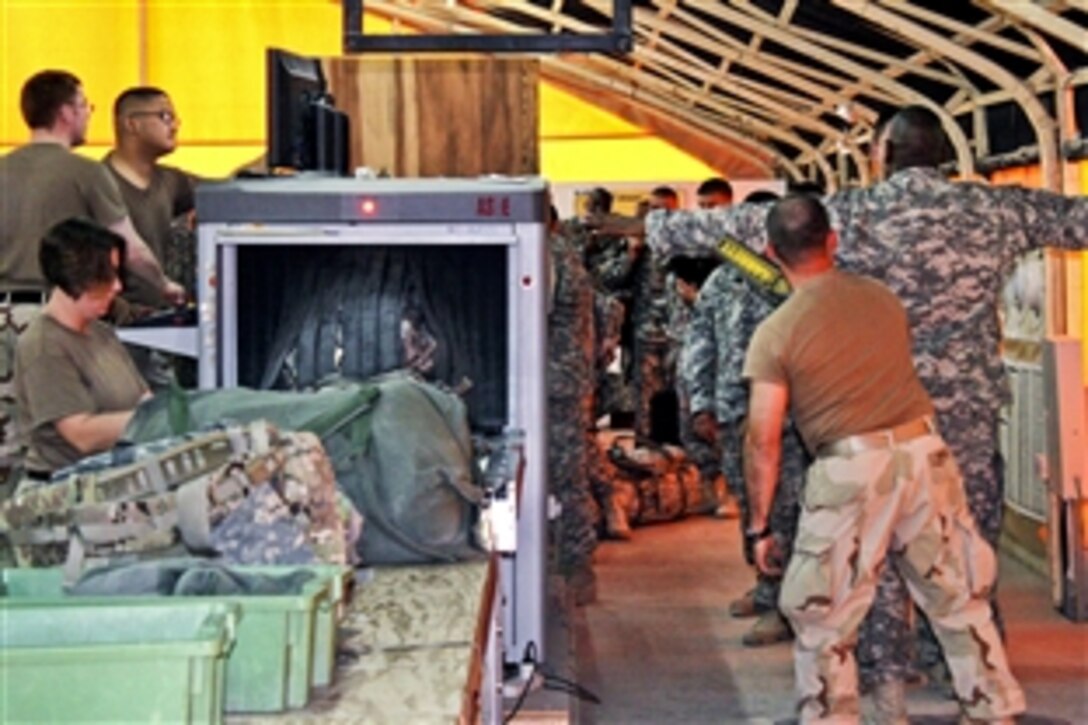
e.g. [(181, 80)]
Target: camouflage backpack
[(247, 494)]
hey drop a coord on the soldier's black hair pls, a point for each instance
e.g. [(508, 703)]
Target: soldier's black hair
[(666, 192), (797, 227), (134, 95), (75, 255), (601, 199), (915, 138), (761, 196), (812, 188), (715, 185), (693, 270), (44, 93)]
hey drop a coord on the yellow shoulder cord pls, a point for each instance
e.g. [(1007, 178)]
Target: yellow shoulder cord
[(761, 271)]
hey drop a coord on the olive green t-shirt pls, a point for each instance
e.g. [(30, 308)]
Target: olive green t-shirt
[(841, 343), (60, 372), (153, 210), (42, 184)]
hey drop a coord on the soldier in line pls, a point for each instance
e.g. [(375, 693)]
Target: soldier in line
[(688, 275), (714, 193), (945, 248), (837, 354), (729, 308), (649, 317), (571, 347)]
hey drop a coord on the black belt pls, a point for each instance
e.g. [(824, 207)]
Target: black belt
[(38, 475), (23, 297)]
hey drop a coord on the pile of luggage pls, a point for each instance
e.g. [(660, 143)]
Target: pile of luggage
[(645, 482)]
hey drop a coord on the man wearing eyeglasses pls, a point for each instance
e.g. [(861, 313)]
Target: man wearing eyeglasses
[(156, 195), (43, 183)]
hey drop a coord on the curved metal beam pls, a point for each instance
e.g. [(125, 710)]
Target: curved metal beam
[(835, 60), (726, 110), (646, 54), (774, 108), (917, 34), (1046, 21)]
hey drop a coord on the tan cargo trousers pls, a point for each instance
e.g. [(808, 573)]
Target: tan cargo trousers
[(906, 501)]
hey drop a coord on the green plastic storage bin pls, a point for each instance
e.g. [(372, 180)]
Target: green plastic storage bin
[(114, 664), (271, 665), (341, 583)]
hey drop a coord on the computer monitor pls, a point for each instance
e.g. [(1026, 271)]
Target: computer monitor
[(306, 132)]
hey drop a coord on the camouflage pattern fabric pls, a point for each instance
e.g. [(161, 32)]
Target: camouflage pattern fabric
[(726, 314), (571, 349), (907, 500), (252, 495), (646, 484), (945, 248), (649, 316), (14, 318)]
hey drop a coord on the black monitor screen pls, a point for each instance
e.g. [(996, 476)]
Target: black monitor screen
[(305, 131)]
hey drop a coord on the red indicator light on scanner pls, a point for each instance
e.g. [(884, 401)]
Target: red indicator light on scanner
[(368, 207)]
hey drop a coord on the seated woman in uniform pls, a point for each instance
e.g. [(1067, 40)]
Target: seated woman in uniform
[(75, 385)]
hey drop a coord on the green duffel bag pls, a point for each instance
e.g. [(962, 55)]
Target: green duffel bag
[(400, 447)]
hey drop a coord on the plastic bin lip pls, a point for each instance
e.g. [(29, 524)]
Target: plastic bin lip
[(213, 634), (315, 592)]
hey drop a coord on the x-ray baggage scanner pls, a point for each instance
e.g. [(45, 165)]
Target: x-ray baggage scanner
[(446, 275)]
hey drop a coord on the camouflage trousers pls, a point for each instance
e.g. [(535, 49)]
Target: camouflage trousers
[(904, 504), (786, 507), (706, 456), (576, 529), (650, 377), (14, 318), (889, 647)]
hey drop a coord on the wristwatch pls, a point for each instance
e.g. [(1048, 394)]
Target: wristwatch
[(755, 536)]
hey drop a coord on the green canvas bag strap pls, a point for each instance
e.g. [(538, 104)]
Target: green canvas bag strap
[(178, 415), (472, 494)]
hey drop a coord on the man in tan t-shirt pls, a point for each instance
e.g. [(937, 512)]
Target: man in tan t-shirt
[(837, 353)]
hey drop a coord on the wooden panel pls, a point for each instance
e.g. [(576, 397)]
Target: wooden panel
[(416, 116)]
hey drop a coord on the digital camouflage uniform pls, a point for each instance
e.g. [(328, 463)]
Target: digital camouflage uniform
[(571, 344), (945, 249), (706, 455), (610, 266), (726, 314), (649, 317)]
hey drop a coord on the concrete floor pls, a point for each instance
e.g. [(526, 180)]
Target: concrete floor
[(660, 647)]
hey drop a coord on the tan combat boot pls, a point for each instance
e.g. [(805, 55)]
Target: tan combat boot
[(770, 628)]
